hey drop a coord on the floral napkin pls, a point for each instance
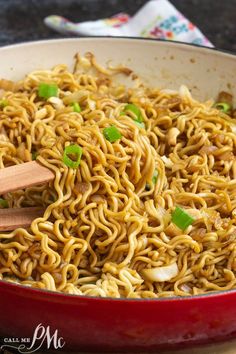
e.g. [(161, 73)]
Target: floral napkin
[(156, 19)]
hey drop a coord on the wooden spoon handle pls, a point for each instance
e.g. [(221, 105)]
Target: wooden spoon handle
[(23, 175), (10, 219)]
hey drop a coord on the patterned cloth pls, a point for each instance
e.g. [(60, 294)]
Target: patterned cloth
[(156, 19)]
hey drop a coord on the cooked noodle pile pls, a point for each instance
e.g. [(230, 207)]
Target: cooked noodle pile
[(108, 228)]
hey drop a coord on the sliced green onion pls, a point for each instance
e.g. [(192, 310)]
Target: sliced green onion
[(34, 155), (76, 107), (224, 107), (112, 133), (154, 177), (3, 203), (47, 90), (140, 125), (3, 103), (154, 180), (181, 219), (75, 150), (135, 110)]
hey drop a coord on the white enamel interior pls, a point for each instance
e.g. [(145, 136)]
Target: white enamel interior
[(161, 64)]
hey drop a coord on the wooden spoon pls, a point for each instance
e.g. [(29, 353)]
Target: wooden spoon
[(19, 177)]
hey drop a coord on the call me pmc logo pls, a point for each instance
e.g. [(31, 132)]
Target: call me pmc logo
[(42, 337)]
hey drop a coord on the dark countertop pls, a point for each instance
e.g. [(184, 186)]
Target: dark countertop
[(22, 20)]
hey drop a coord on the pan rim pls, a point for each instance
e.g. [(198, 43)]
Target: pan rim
[(121, 38)]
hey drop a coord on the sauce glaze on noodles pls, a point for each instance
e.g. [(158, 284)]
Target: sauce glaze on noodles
[(102, 226)]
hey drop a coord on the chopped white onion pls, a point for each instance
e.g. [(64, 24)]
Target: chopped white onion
[(41, 113), (163, 214), (56, 102), (185, 288), (76, 96), (92, 104), (184, 92), (233, 127), (161, 274), (167, 161)]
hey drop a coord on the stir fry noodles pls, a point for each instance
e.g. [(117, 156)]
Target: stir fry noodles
[(143, 204)]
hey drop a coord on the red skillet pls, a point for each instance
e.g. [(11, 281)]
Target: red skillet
[(98, 324), (107, 324)]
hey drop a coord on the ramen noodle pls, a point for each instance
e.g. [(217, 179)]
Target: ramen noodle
[(143, 204)]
